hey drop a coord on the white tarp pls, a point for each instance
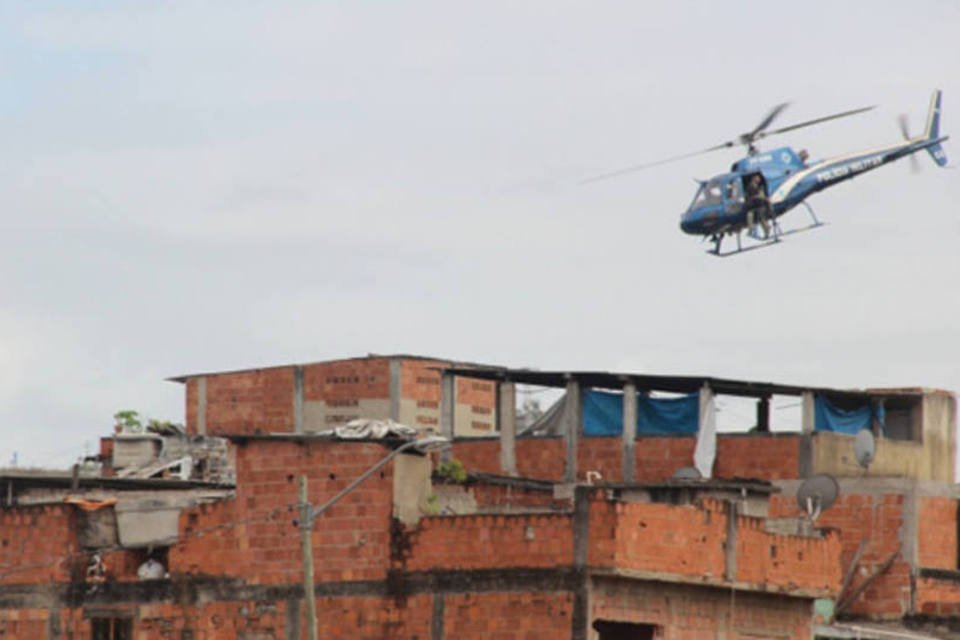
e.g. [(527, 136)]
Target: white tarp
[(363, 428), (706, 450)]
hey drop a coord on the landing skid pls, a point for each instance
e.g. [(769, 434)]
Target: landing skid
[(774, 238)]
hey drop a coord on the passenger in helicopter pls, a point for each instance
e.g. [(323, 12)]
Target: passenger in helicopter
[(758, 206)]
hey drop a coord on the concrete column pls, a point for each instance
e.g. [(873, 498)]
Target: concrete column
[(202, 405), (573, 417), (395, 389), (507, 417), (629, 431), (807, 424), (730, 548), (763, 415), (448, 405), (436, 621), (298, 399)]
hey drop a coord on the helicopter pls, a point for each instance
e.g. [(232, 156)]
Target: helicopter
[(765, 185)]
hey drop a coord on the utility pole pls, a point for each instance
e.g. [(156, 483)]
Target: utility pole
[(308, 590)]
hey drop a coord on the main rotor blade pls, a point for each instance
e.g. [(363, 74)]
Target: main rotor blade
[(766, 121), (641, 167), (815, 121)]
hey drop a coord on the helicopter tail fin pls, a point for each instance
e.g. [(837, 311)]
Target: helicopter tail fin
[(932, 133)]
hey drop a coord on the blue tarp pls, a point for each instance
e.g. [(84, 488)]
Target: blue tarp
[(603, 414), (828, 417)]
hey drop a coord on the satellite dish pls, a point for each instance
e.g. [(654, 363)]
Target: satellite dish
[(864, 447), (687, 473), (817, 494)]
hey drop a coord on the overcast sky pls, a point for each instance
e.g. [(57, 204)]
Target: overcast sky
[(202, 186)]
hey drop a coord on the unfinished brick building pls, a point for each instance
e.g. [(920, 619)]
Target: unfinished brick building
[(313, 397), (570, 535)]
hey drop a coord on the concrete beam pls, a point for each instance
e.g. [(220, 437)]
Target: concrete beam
[(629, 432), (573, 427), (507, 417)]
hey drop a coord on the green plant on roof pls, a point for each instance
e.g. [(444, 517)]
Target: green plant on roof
[(128, 420), (452, 471)]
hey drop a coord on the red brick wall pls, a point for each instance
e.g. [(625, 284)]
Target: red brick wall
[(246, 402), (351, 541), (937, 533), (23, 624), (522, 616), (764, 457), (603, 455), (690, 541), (26, 557), (938, 597), (508, 616), (656, 457), (687, 541), (539, 458), (262, 399), (879, 519), (374, 618), (686, 612), (786, 560), (346, 380), (505, 497), (492, 542)]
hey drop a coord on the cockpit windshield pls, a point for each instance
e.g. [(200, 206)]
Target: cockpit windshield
[(709, 194), (724, 190)]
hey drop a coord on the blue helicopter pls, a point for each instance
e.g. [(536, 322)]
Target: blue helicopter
[(765, 185)]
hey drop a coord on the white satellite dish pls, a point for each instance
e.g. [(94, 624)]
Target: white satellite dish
[(864, 447)]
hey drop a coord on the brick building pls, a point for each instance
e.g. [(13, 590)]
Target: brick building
[(317, 396), (557, 536)]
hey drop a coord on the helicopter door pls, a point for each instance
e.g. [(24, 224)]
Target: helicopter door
[(733, 195)]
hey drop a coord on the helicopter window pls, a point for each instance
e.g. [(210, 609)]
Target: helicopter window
[(708, 194), (734, 191)]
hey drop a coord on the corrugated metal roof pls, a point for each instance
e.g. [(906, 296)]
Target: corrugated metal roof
[(669, 383)]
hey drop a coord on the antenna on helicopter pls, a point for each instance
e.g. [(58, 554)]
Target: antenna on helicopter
[(748, 139)]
